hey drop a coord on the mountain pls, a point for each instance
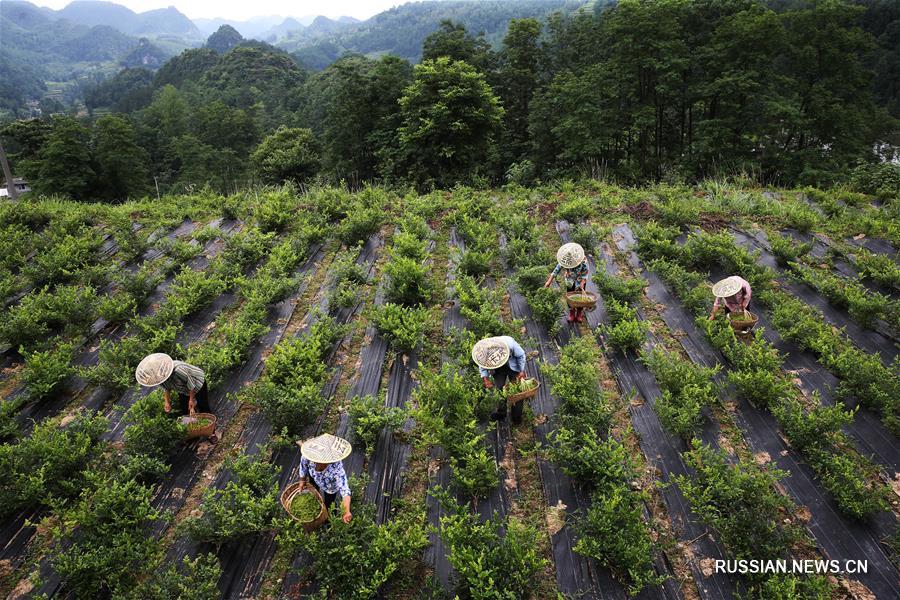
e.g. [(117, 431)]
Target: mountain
[(282, 29), (163, 22), (402, 29), (259, 28)]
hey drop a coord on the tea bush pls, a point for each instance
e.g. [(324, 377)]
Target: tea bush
[(655, 241), (529, 279), (360, 559), (63, 257), (587, 236), (44, 372), (625, 332), (474, 263), (788, 250), (48, 465), (863, 305), (409, 246), (879, 268), (191, 580), (151, 432), (369, 417), (488, 564), (576, 209), (546, 307), (360, 223), (689, 287), (687, 388), (575, 381), (31, 323), (103, 540), (247, 504), (408, 282), (622, 290), (597, 464), (403, 327)]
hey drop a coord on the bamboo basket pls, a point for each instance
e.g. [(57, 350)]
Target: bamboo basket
[(743, 327), (287, 496), (206, 431), (583, 303), (514, 398)]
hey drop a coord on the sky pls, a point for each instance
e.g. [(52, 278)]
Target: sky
[(239, 11)]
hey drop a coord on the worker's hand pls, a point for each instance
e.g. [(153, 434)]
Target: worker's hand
[(167, 406), (192, 405), (521, 376), (487, 383), (302, 486), (347, 517), (712, 316)]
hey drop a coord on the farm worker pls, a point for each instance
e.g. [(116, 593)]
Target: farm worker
[(321, 467), (186, 380), (571, 258), (502, 359), (735, 292)]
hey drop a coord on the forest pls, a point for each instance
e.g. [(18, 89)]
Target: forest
[(788, 93)]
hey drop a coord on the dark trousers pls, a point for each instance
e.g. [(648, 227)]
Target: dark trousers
[(202, 398), (501, 376), (328, 498)]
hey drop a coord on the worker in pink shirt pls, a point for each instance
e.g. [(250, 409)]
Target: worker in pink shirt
[(735, 292)]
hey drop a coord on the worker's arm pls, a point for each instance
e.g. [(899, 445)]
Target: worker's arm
[(520, 376), (715, 309), (192, 402), (301, 470), (487, 382), (747, 293), (167, 404), (552, 275), (347, 515)]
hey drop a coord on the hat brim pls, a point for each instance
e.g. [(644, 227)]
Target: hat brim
[(314, 451), (154, 370), (570, 255), (726, 288), (481, 350)]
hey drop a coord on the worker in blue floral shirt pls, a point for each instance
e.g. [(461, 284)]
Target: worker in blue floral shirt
[(571, 258), (321, 467), (502, 359)]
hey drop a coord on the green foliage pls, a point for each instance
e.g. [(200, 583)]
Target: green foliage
[(358, 560), (359, 224), (686, 387), (880, 179), (403, 327), (575, 209), (369, 417), (449, 119), (614, 533), (247, 504), (408, 282), (44, 372), (288, 154), (474, 263), (739, 501), (625, 332), (597, 464), (48, 465), (103, 539), (575, 381), (622, 290), (151, 431), (31, 322), (788, 250), (655, 241), (547, 307), (879, 268), (191, 580), (488, 564), (862, 304)]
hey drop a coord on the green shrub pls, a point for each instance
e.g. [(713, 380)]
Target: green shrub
[(180, 251), (614, 533), (248, 503), (275, 209), (64, 258), (44, 372), (48, 465), (117, 308), (793, 587), (31, 322), (487, 563), (409, 246), (369, 417), (586, 236), (244, 248), (474, 263), (576, 209), (879, 179), (546, 307), (403, 327), (360, 559), (191, 580), (624, 291), (739, 501), (686, 389), (575, 382), (408, 282), (151, 432), (655, 241), (626, 332), (360, 223), (103, 541), (473, 471), (595, 463), (787, 249), (690, 287), (759, 387), (529, 279), (801, 218), (879, 268)]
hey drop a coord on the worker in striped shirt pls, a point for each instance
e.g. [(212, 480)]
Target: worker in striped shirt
[(186, 380)]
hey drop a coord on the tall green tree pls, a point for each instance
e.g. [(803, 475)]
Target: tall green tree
[(453, 41), (450, 121), (121, 165), (289, 154), (519, 78), (63, 164)]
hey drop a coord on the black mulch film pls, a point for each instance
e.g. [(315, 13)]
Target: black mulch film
[(838, 537)]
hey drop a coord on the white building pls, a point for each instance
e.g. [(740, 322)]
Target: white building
[(21, 187)]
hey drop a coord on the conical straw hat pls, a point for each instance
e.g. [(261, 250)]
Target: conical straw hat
[(727, 287), (570, 255), (490, 353), (154, 369), (325, 449)]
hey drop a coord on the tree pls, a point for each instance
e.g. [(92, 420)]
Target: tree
[(519, 79), (453, 41), (63, 164), (289, 154), (450, 118), (121, 163), (224, 39)]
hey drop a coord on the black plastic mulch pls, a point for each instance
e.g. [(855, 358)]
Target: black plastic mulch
[(838, 537), (872, 341), (870, 435), (186, 467), (663, 452)]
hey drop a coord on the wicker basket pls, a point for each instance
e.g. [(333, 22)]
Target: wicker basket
[(581, 303), (514, 398), (206, 431), (287, 496), (743, 327)]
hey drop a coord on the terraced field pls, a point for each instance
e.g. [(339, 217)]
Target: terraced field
[(658, 441)]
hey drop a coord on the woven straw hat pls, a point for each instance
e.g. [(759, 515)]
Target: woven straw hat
[(490, 353), (570, 255), (727, 287), (154, 369), (325, 449)]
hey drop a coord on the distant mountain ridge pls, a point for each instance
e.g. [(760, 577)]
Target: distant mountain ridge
[(161, 21)]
